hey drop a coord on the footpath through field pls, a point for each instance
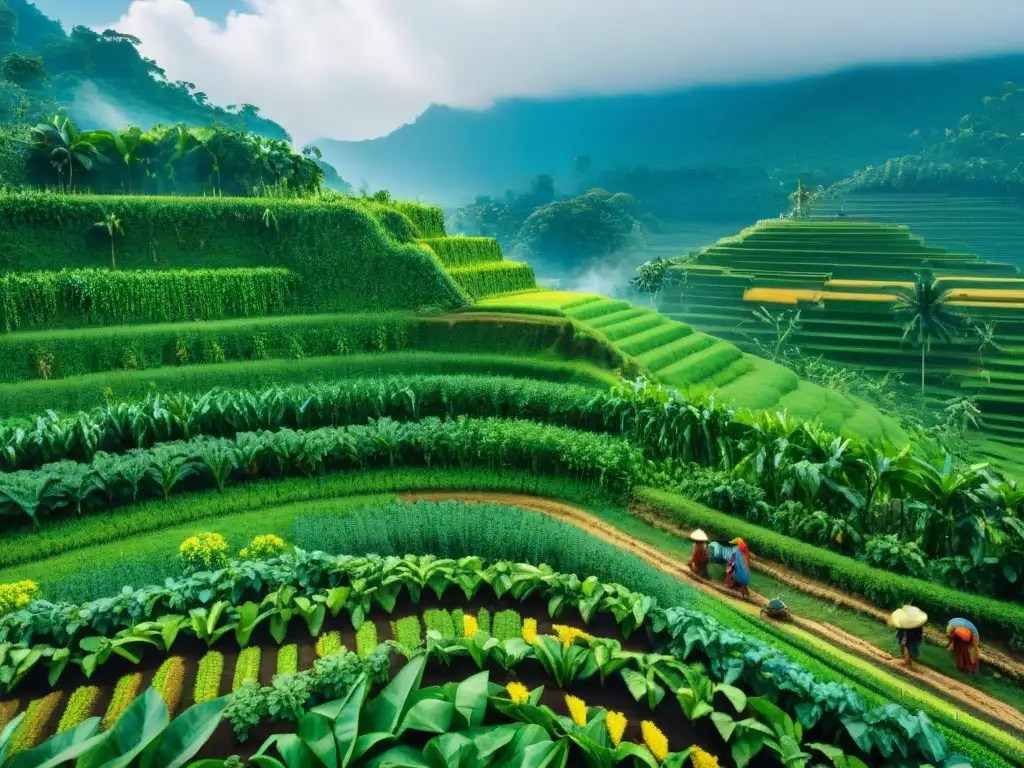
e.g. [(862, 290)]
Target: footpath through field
[(944, 687)]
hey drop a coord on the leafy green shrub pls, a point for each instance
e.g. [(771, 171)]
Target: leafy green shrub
[(891, 554), (604, 460), (118, 297), (344, 256), (428, 220)]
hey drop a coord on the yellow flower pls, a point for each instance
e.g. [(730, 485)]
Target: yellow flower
[(654, 739), (577, 709), (469, 625), (263, 547), (615, 722), (530, 631), (568, 635), (518, 692), (701, 759), (17, 595), (839, 538)]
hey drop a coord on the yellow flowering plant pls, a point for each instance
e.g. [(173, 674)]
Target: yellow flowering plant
[(569, 635), (701, 759), (204, 551), (518, 693), (615, 723), (17, 595), (654, 739), (577, 710), (263, 547), (530, 631)]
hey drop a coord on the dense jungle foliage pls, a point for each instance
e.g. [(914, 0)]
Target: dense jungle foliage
[(983, 153)]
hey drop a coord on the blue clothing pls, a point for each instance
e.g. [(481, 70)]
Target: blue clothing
[(740, 572), (912, 639), (719, 553), (964, 623)]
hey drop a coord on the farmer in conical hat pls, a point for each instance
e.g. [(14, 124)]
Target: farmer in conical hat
[(737, 572), (964, 642), (699, 558), (909, 622)]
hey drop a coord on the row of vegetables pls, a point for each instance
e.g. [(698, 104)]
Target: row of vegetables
[(968, 516), (310, 586)]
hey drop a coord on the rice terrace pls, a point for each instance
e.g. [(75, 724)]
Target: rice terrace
[(295, 474)]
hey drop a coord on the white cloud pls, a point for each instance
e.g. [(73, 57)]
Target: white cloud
[(355, 69)]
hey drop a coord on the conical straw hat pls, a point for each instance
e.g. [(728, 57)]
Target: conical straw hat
[(908, 617), (698, 535)]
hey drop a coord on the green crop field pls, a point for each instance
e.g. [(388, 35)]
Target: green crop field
[(210, 460), (821, 267)]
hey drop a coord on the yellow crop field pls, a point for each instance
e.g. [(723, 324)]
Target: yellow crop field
[(794, 295), (985, 294)]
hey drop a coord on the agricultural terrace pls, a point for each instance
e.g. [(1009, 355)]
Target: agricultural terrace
[(310, 480), (844, 277)]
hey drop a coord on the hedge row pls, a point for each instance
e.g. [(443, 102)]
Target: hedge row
[(494, 277), (115, 297), (60, 354), (85, 392), (428, 220), (887, 590), (344, 255), (461, 251)]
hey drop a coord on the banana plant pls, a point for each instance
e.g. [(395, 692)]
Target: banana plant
[(564, 664), (99, 649), (207, 624)]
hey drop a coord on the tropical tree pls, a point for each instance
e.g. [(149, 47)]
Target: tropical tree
[(802, 199), (650, 277), (923, 310), (65, 146), (112, 224)]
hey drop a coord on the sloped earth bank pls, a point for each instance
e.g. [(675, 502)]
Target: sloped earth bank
[(1004, 662), (953, 691)]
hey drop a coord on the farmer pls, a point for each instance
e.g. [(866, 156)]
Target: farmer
[(699, 558), (909, 622), (737, 572), (963, 642)]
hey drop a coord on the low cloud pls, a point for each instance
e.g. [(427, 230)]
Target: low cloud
[(354, 69)]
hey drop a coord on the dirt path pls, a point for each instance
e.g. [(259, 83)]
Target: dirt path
[(1005, 663), (945, 687)]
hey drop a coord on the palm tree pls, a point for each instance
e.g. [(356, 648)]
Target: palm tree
[(65, 145), (112, 224), (922, 309), (802, 199)]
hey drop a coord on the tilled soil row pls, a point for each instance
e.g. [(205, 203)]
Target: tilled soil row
[(977, 702)]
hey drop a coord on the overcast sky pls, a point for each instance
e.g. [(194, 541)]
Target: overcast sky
[(355, 69)]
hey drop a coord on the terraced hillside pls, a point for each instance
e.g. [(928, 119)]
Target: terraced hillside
[(676, 354), (840, 275), (478, 266), (992, 227)]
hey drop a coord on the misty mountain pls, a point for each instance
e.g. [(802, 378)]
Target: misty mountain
[(834, 124)]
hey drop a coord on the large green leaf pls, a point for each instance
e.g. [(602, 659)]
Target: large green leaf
[(471, 699), (294, 751), (185, 736), (142, 722), (429, 715), (399, 757), (384, 712), (346, 724), (316, 733), (63, 747)]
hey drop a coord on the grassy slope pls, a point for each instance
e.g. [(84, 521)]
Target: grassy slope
[(673, 353)]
